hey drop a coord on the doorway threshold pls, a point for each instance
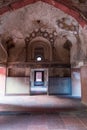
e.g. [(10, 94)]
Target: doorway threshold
[(39, 90)]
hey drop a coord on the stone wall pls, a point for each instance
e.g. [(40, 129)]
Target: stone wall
[(24, 23), (84, 84)]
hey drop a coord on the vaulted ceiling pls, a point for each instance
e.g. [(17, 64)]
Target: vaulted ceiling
[(78, 5), (61, 23)]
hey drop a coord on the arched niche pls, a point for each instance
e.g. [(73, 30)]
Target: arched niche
[(39, 47)]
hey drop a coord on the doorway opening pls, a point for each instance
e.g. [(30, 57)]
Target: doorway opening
[(39, 78), (39, 81)]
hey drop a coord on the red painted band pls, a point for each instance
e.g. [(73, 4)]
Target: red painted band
[(58, 5)]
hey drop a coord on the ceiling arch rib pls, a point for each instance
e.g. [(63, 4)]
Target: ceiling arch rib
[(66, 9)]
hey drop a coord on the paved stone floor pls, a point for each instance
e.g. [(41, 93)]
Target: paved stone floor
[(42, 113)]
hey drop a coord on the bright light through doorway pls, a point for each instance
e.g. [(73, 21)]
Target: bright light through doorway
[(38, 76)]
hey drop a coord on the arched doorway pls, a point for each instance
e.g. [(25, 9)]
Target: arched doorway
[(40, 53), (39, 81)]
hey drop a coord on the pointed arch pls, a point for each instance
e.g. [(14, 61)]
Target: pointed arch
[(64, 8)]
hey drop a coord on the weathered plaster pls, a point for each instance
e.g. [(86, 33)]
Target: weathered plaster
[(20, 24)]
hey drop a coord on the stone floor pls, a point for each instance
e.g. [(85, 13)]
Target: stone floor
[(42, 112)]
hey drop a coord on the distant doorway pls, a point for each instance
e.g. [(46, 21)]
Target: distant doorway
[(39, 81), (38, 78)]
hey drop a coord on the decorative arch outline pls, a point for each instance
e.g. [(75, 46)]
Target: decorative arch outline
[(40, 42)]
